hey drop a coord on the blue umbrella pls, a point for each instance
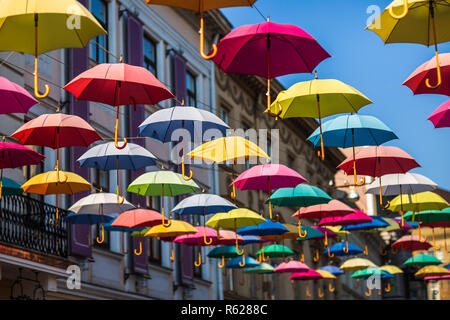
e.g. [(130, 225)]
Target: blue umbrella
[(338, 249), (267, 228), (10, 187), (108, 227), (333, 270), (447, 266), (84, 218), (251, 240), (353, 131), (240, 263), (106, 156), (376, 223), (162, 125)]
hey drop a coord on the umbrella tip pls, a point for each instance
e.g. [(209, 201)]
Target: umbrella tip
[(315, 74), (268, 19)]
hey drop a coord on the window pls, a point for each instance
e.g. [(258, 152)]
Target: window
[(154, 248), (150, 55), (225, 115), (99, 9), (100, 181), (191, 88)]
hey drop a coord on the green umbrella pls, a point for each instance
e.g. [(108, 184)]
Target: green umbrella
[(366, 273), (262, 268), (422, 260), (302, 195), (429, 216), (162, 183), (276, 251), (11, 188), (223, 251)]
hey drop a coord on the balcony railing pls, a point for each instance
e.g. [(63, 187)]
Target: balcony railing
[(26, 223)]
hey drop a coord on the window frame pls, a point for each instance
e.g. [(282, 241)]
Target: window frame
[(94, 47), (191, 95), (148, 60)]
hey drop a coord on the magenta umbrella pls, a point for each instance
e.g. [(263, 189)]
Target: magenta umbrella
[(441, 116), (13, 155), (269, 50), (197, 239), (292, 266), (268, 177), (14, 98)]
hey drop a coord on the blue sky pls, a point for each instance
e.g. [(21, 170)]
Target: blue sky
[(362, 60)]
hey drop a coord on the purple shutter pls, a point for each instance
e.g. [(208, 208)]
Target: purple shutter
[(135, 35), (186, 258), (79, 62)]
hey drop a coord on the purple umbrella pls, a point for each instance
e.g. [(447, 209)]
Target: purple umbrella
[(269, 50), (14, 98), (441, 116)]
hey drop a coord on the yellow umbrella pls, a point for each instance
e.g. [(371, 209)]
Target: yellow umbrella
[(432, 271), (338, 230), (235, 219), (422, 201), (201, 6), (391, 269), (48, 183), (64, 24), (318, 98), (176, 228), (356, 264), (228, 149), (326, 275), (421, 21)]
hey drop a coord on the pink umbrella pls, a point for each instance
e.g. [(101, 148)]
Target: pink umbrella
[(292, 266), (268, 177), (446, 277), (406, 226), (13, 155), (197, 239), (269, 50), (358, 217), (410, 243), (334, 208), (417, 80), (306, 275), (14, 98), (228, 237), (441, 116)]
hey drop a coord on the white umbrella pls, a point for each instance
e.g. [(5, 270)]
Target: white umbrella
[(99, 204)]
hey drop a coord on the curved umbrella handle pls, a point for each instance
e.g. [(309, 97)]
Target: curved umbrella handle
[(366, 250), (221, 265), (388, 287), (331, 288), (243, 261), (308, 294), (260, 259), (316, 256), (330, 255), (368, 293), (434, 243), (119, 199), (263, 256), (325, 243), (403, 14), (277, 219), (185, 178), (357, 284), (140, 249), (172, 256), (204, 238), (238, 252), (233, 193), (363, 181), (274, 115), (36, 82), (116, 137), (345, 249), (199, 262), (388, 204), (202, 42), (420, 234), (300, 234), (303, 258), (102, 234), (169, 223), (439, 76), (320, 293)]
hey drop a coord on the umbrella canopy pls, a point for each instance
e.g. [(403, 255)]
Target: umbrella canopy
[(429, 216), (9, 188), (81, 218), (441, 116), (14, 98), (203, 203), (418, 202), (106, 156), (376, 223), (378, 161), (302, 195), (393, 225), (260, 269), (47, 183), (334, 208), (236, 263), (391, 269), (291, 267), (266, 228), (228, 237), (422, 260), (370, 271), (276, 251), (163, 124), (432, 271), (137, 218), (338, 249), (196, 239), (358, 217), (108, 227), (176, 228), (311, 233), (436, 278), (418, 79), (332, 269), (253, 239), (356, 264), (223, 251), (100, 203), (292, 233), (325, 274), (13, 155), (352, 131), (410, 243), (306, 275), (234, 219), (401, 183)]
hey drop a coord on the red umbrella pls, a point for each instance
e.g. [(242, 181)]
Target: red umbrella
[(57, 131), (118, 84), (13, 155), (410, 243), (441, 116), (269, 50), (417, 81), (376, 161), (14, 98), (334, 208)]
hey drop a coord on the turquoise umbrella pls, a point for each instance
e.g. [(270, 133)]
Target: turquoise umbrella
[(302, 195), (11, 188)]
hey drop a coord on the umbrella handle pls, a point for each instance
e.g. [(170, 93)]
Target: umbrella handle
[(239, 252), (233, 193), (199, 262), (243, 261), (103, 236), (331, 288), (116, 133), (300, 234), (388, 204), (263, 257), (320, 293), (277, 219), (316, 256), (36, 82), (330, 255), (172, 256), (140, 249), (388, 287), (274, 115), (308, 294), (363, 181), (204, 238), (345, 249), (56, 214), (420, 234), (221, 264), (366, 250), (119, 200), (368, 293), (403, 14), (357, 284), (183, 171), (303, 258), (325, 243), (439, 75), (202, 42), (434, 243), (259, 260), (169, 223)]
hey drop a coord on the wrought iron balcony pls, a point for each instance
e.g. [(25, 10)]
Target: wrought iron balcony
[(26, 223)]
